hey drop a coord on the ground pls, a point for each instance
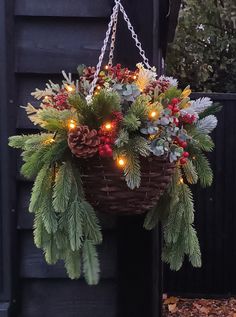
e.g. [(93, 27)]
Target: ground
[(181, 307)]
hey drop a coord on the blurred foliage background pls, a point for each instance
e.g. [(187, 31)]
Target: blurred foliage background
[(203, 53)]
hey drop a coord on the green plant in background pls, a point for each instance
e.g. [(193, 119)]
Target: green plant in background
[(203, 52)]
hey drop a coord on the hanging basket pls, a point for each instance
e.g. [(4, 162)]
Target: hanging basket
[(107, 191), (112, 141)]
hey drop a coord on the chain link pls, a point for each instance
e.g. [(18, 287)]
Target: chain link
[(103, 50), (135, 37), (112, 27), (113, 38)]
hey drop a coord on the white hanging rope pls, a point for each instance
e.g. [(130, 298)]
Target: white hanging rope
[(112, 26)]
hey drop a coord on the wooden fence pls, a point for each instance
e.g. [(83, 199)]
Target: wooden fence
[(215, 217)]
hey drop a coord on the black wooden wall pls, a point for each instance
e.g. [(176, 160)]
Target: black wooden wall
[(215, 217), (37, 40)]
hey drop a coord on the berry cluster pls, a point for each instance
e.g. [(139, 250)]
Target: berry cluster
[(60, 101), (188, 118), (160, 85), (123, 75), (108, 133)]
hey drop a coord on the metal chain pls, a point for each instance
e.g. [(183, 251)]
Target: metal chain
[(103, 50), (113, 38), (135, 37), (113, 26)]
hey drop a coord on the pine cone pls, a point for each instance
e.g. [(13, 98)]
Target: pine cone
[(82, 142)]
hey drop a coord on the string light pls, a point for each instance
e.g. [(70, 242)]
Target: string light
[(121, 162), (134, 77), (72, 124), (98, 87), (46, 98), (69, 88), (153, 114), (49, 141), (194, 158), (106, 67), (181, 180), (108, 126)]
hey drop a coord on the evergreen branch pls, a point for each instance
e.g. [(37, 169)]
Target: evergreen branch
[(50, 251), (36, 195), (131, 122), (122, 139), (132, 168), (203, 169), (190, 172), (62, 187), (210, 110), (141, 146), (92, 229), (41, 236), (19, 141), (74, 226), (90, 263), (73, 264), (139, 108), (202, 141), (173, 225)]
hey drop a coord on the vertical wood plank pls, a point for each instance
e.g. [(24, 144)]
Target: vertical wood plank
[(6, 175), (140, 268)]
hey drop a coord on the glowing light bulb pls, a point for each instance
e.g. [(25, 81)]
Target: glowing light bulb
[(69, 88), (121, 162), (108, 126), (153, 114), (98, 87), (72, 124), (181, 181), (49, 141), (134, 77), (194, 158), (46, 98), (106, 67)]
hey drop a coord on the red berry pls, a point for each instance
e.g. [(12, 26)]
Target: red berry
[(175, 109), (107, 140), (170, 107), (109, 152), (183, 160), (183, 144), (174, 101), (102, 153), (176, 121), (185, 154)]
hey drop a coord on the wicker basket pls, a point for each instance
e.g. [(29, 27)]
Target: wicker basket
[(107, 191)]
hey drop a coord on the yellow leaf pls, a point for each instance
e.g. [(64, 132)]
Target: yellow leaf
[(171, 300)]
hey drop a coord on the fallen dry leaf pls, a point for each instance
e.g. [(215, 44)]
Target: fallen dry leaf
[(171, 300), (172, 308), (182, 307)]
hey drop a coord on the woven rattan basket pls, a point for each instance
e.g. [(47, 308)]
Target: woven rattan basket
[(107, 191)]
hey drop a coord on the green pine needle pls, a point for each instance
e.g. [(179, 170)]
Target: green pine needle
[(190, 172), (203, 169), (92, 229), (73, 264), (90, 263), (75, 227), (42, 178), (62, 187)]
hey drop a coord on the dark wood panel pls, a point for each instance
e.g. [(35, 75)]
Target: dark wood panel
[(71, 8), (50, 45), (25, 219), (27, 83), (33, 265), (215, 218), (62, 298)]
